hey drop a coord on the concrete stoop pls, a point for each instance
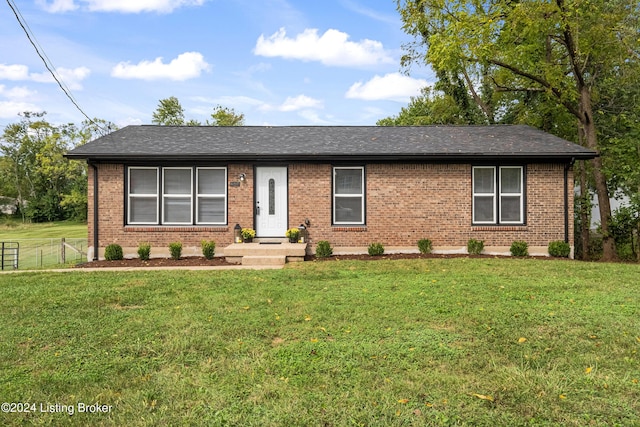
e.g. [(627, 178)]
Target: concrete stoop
[(269, 252)]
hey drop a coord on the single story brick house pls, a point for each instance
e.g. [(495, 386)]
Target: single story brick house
[(350, 185)]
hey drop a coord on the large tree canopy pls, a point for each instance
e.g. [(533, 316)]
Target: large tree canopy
[(560, 49), (34, 171)]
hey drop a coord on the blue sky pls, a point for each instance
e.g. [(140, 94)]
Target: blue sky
[(280, 62)]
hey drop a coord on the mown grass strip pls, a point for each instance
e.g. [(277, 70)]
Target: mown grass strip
[(421, 342)]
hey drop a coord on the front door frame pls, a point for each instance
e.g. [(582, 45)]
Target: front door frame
[(264, 209)]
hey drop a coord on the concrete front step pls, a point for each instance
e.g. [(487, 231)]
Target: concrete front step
[(264, 260), (272, 253), (255, 249)]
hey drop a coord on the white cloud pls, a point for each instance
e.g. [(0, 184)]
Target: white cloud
[(393, 87), (19, 92), (11, 109), (122, 6), (332, 48), (72, 77), (186, 66), (14, 72), (16, 101), (299, 102)]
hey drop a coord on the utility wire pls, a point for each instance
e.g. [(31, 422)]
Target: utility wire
[(47, 63)]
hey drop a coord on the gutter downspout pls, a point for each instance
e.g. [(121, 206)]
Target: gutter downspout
[(95, 211), (566, 199)]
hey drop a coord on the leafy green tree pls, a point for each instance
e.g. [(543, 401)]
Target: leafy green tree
[(169, 112), (560, 48), (223, 116), (430, 108), (47, 186)]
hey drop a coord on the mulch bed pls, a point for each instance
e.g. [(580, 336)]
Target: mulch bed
[(221, 261), (157, 262)]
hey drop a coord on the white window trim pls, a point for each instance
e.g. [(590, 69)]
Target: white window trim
[(497, 196), (178, 196), (130, 195), (493, 195), (198, 196), (337, 196), (520, 194), (160, 196)]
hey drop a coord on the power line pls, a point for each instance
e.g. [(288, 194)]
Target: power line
[(47, 63)]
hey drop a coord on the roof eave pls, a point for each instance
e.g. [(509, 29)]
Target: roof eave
[(260, 158)]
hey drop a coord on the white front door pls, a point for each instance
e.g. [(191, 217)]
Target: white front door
[(271, 201)]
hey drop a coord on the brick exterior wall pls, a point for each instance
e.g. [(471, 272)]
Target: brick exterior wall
[(404, 203)]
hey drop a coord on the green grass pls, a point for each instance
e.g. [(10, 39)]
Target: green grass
[(40, 243), (14, 230), (478, 342)]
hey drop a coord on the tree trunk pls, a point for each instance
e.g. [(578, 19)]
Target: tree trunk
[(585, 217), (604, 205)]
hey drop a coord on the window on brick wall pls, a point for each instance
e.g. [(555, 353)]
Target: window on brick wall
[(177, 196), (498, 194), (348, 195), (167, 195), (211, 196), (143, 196)]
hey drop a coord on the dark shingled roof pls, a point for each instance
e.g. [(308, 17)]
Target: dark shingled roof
[(329, 143)]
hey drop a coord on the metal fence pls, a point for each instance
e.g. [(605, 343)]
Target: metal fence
[(42, 253)]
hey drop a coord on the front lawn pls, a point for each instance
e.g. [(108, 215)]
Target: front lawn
[(495, 342)]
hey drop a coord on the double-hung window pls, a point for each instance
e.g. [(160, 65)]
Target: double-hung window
[(211, 196), (177, 195), (498, 195), (348, 195), (143, 196)]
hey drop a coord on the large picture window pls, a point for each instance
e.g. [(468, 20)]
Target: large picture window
[(498, 195), (167, 196), (348, 195)]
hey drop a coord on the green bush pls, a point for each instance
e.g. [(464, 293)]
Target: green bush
[(144, 251), (375, 249), (519, 248), (324, 249), (424, 245), (208, 249), (175, 249), (475, 247), (113, 252), (559, 248)]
